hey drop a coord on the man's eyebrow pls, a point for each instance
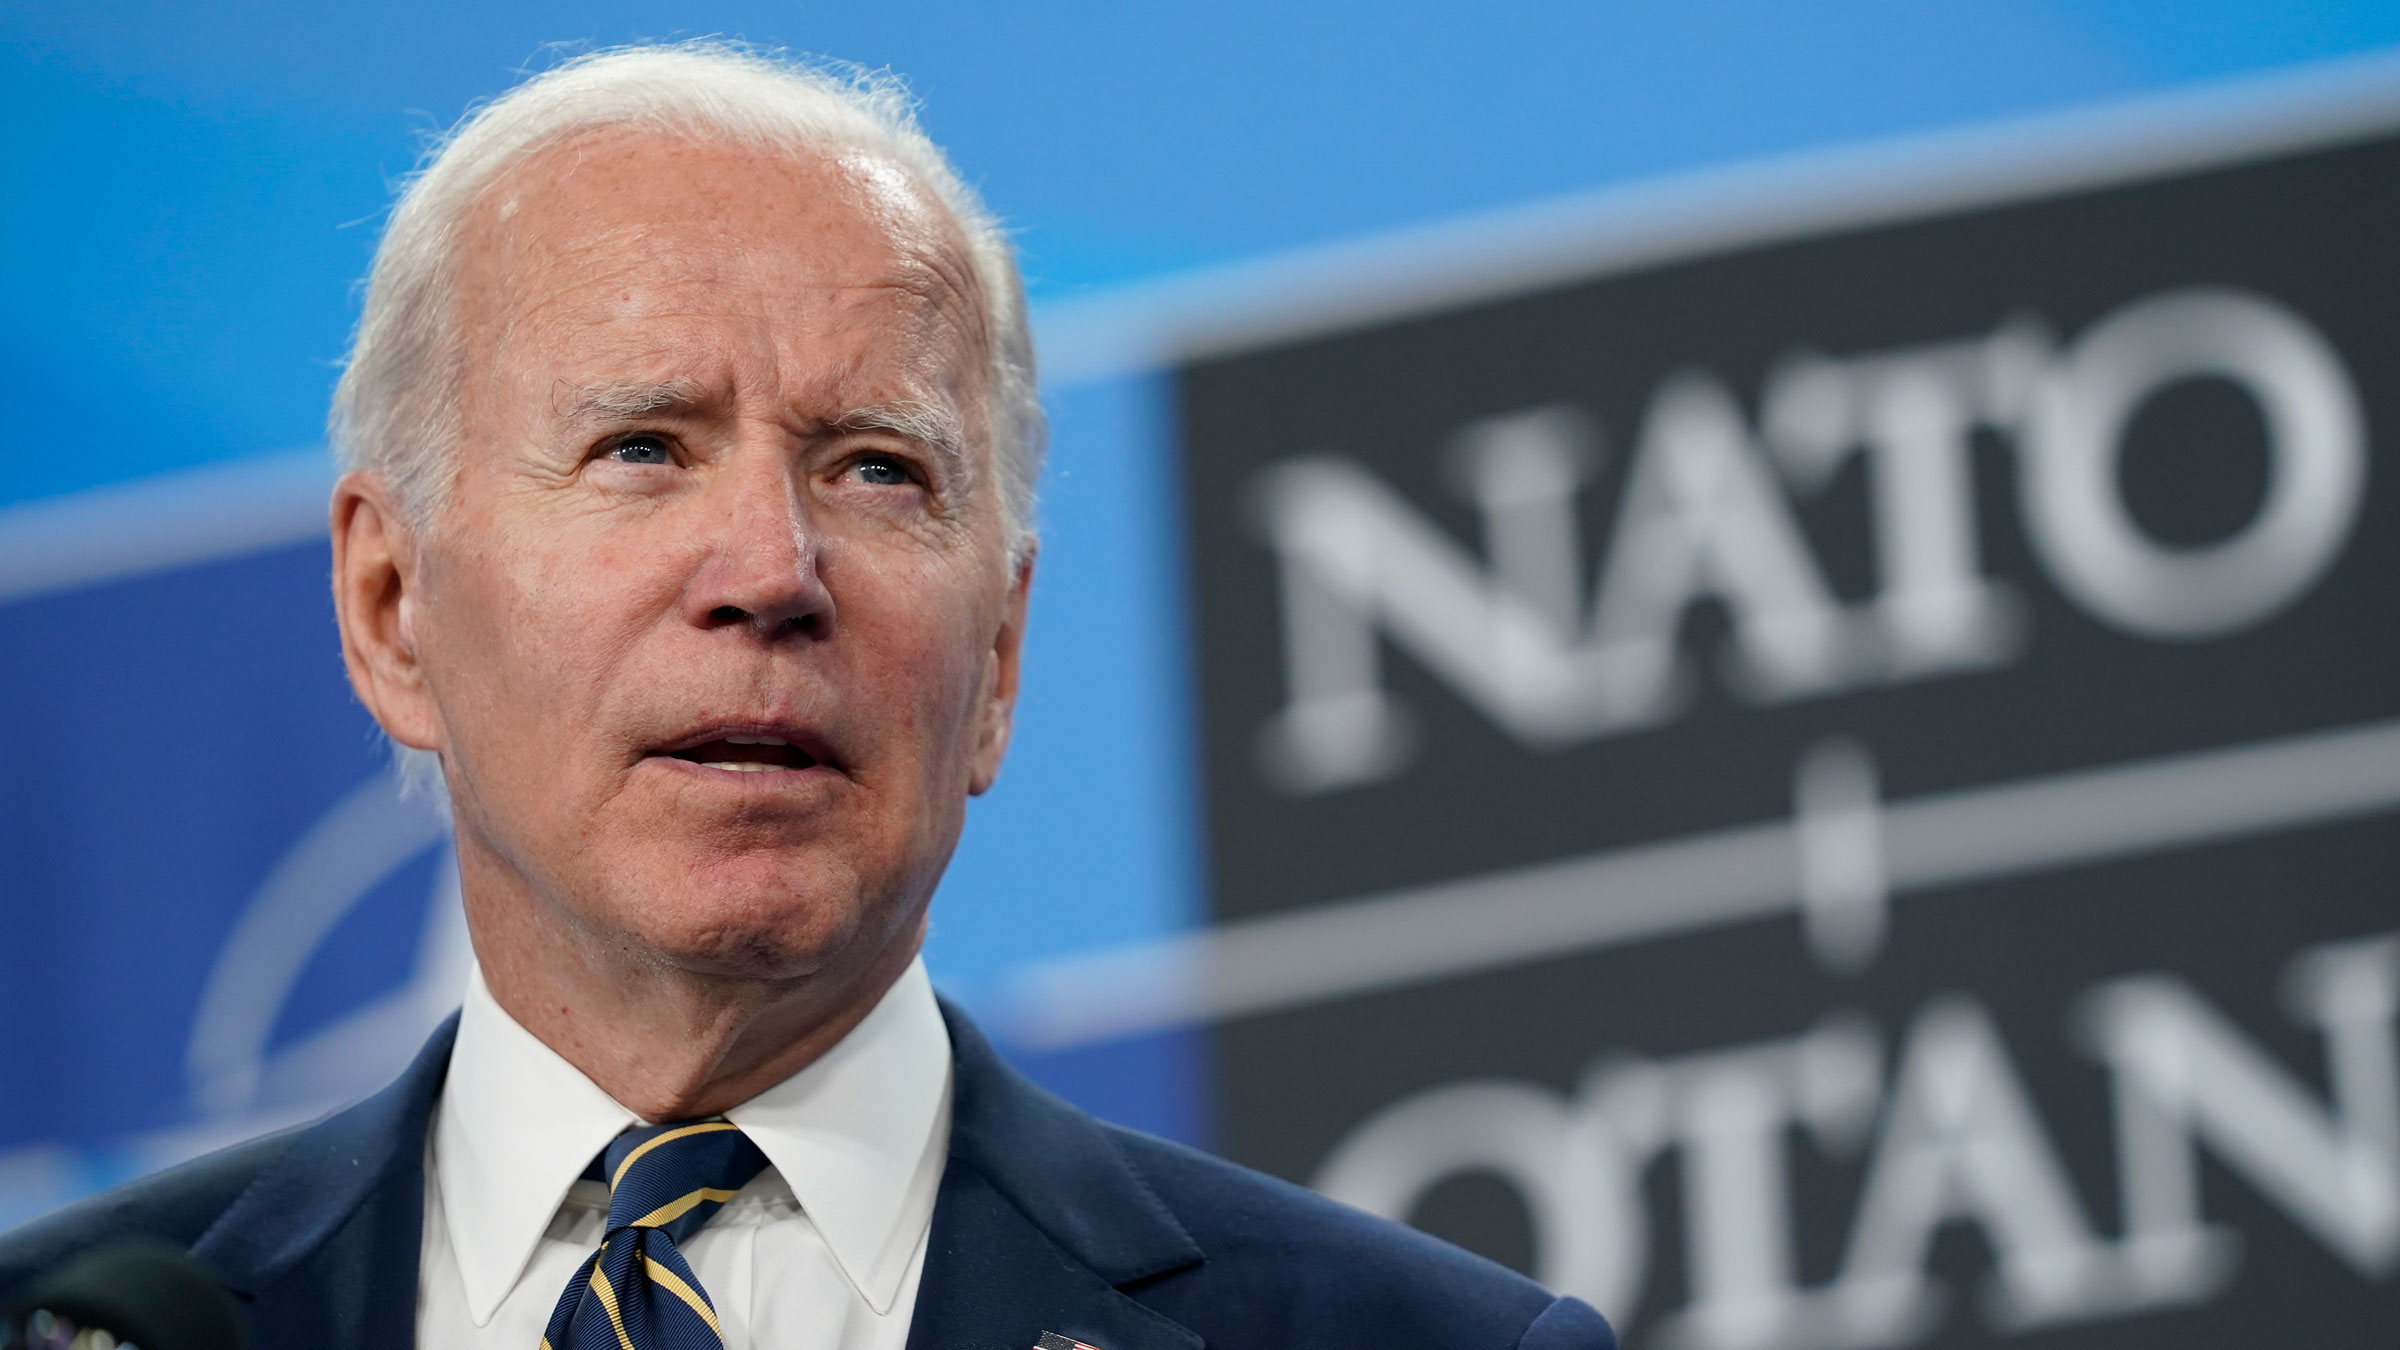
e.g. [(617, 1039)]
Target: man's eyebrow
[(620, 400), (931, 425)]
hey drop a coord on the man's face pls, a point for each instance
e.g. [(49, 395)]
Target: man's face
[(718, 628)]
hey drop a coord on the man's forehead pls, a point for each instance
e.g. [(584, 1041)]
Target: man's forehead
[(810, 365), (632, 221), (644, 258), (640, 172)]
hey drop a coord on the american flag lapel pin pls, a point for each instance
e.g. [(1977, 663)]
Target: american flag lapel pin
[(1051, 1340)]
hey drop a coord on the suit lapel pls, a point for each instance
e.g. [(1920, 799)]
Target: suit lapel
[(325, 1242), (1039, 1224)]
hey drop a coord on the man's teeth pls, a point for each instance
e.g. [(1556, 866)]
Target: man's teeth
[(742, 765), (756, 740)]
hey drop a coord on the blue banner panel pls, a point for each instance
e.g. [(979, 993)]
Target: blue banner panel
[(217, 913)]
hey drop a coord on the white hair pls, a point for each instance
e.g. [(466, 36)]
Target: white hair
[(395, 411)]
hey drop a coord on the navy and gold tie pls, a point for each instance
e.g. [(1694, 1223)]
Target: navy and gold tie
[(637, 1292)]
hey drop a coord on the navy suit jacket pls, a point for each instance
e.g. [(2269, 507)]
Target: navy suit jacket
[(1047, 1220)]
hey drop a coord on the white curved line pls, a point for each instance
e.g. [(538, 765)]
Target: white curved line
[(160, 523), (322, 877)]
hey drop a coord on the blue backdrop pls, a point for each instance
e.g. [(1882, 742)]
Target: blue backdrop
[(214, 913)]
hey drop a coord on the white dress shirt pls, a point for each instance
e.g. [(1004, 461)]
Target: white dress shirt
[(821, 1252)]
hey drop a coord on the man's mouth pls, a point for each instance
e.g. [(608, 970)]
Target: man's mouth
[(747, 754)]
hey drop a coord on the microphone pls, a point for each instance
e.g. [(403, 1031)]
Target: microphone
[(126, 1296)]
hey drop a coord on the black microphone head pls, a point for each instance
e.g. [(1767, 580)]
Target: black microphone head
[(141, 1294)]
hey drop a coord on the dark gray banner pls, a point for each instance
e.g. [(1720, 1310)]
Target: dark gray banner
[(1841, 793)]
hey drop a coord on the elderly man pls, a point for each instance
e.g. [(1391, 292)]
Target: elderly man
[(691, 435)]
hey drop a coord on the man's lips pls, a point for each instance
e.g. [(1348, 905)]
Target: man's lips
[(750, 749)]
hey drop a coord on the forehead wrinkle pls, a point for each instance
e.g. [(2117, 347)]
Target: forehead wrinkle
[(939, 280)]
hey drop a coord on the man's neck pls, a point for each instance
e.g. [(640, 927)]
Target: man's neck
[(672, 1044)]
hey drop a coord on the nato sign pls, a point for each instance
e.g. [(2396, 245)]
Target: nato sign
[(1835, 787)]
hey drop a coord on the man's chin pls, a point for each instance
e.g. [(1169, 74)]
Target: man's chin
[(757, 920)]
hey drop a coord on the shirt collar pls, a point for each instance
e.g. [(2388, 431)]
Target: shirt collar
[(861, 1134), (856, 1135)]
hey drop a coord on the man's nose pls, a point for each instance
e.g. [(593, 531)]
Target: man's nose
[(762, 570)]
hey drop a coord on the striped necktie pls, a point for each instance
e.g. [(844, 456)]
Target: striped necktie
[(637, 1292)]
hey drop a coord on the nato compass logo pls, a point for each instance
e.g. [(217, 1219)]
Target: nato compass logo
[(376, 847)]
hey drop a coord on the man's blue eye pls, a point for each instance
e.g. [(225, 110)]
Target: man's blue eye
[(882, 472), (641, 450)]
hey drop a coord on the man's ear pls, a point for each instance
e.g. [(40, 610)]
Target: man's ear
[(1000, 690), (375, 604)]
